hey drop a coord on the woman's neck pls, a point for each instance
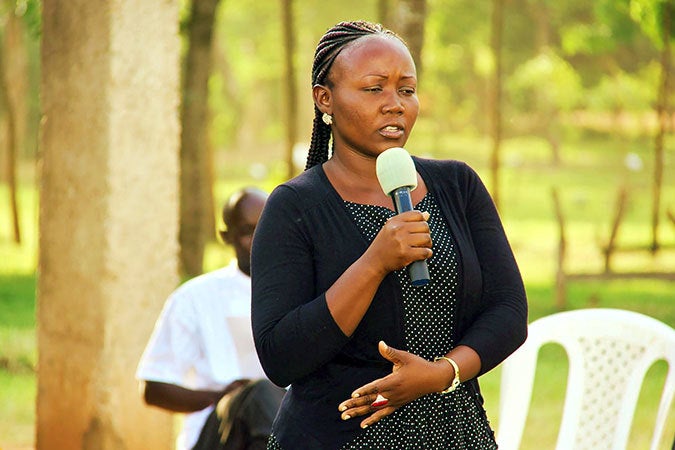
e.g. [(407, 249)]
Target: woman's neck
[(355, 179)]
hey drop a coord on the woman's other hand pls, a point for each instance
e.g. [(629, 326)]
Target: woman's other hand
[(411, 378)]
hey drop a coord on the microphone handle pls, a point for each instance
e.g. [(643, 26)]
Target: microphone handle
[(418, 270)]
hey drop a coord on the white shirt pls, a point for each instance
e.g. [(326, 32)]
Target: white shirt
[(202, 340)]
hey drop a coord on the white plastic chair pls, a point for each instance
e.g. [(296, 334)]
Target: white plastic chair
[(609, 352)]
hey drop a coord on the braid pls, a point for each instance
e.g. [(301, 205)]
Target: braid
[(318, 149), (329, 47)]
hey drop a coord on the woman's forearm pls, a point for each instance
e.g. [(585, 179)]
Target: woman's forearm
[(351, 295)]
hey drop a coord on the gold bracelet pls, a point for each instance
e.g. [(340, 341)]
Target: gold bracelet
[(455, 381)]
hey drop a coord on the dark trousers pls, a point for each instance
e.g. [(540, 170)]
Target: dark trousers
[(242, 420)]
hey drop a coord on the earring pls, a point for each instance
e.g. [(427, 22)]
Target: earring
[(327, 119)]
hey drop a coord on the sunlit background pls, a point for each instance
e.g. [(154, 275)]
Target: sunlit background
[(564, 107)]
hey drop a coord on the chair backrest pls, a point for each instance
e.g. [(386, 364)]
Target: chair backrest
[(609, 352)]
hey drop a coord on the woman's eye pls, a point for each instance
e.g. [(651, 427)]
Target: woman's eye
[(407, 91), (374, 89)]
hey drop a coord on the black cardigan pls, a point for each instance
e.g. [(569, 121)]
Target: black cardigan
[(306, 239)]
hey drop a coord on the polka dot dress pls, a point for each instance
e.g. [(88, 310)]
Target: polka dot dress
[(435, 421)]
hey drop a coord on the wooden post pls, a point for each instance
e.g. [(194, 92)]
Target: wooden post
[(495, 96), (611, 242), (560, 277), (662, 116), (291, 90)]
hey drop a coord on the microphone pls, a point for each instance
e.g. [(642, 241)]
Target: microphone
[(397, 176)]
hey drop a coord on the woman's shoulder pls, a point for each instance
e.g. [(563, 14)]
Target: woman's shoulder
[(446, 170), (442, 164), (309, 187)]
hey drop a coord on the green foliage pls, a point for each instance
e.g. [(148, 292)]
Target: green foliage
[(595, 40), (609, 27), (546, 82), (250, 88), (598, 40), (624, 91), (649, 15), (30, 11), (600, 37), (456, 61), (587, 38), (246, 88)]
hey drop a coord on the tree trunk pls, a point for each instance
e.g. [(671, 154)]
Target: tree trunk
[(383, 12), (495, 96), (7, 103), (231, 92), (408, 21), (290, 84), (662, 113), (560, 273), (196, 202), (549, 113)]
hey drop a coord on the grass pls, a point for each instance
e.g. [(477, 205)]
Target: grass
[(588, 181), (18, 357)]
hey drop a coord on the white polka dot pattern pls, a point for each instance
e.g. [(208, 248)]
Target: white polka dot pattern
[(432, 422), (435, 421)]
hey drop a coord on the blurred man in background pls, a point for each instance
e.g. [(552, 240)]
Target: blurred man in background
[(201, 359)]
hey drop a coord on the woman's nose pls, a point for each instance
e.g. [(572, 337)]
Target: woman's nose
[(393, 104)]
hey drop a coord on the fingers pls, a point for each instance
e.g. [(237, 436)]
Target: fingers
[(389, 353), (365, 398), (377, 408), (414, 221), (408, 380), (373, 394), (362, 404), (376, 416), (410, 230), (414, 216)]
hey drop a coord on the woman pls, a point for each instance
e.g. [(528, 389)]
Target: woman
[(373, 362)]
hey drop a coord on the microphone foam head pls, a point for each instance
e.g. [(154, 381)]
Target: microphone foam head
[(395, 168)]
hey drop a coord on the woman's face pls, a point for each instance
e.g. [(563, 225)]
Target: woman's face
[(373, 97)]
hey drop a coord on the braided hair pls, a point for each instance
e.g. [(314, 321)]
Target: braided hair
[(329, 47)]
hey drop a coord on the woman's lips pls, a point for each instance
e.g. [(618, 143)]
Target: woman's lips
[(392, 132)]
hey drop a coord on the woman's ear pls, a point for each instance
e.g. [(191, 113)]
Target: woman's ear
[(322, 98)]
